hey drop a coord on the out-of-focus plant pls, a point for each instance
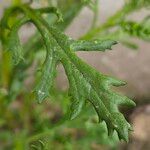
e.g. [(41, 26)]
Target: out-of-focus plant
[(86, 85)]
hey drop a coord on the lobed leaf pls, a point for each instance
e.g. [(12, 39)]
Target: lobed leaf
[(85, 83), (94, 87)]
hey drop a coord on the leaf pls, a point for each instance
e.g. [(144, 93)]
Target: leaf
[(85, 83), (88, 84), (13, 43), (94, 45), (46, 79), (140, 30), (15, 47)]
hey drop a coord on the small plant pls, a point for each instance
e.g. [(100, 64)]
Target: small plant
[(86, 85)]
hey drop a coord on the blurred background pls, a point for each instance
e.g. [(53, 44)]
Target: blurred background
[(24, 124)]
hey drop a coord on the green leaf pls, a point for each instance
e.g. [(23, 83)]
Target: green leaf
[(13, 42), (85, 83), (140, 30), (15, 47), (94, 45), (88, 84), (46, 79)]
